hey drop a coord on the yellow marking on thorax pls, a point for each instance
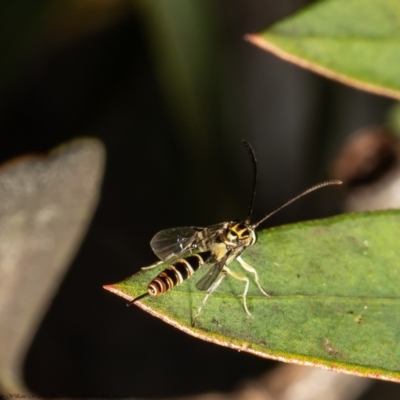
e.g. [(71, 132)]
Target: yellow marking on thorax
[(219, 250)]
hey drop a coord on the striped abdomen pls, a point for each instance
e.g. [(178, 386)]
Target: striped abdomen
[(176, 273)]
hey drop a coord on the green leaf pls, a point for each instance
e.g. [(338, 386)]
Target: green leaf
[(334, 302), (356, 42)]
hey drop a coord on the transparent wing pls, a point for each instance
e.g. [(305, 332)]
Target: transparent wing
[(174, 241), (209, 278)]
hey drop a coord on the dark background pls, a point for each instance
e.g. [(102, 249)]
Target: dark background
[(170, 88)]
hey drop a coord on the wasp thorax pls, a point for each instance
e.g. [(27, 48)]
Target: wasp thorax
[(241, 234)]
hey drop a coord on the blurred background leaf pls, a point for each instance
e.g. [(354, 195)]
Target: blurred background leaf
[(46, 206), (355, 42)]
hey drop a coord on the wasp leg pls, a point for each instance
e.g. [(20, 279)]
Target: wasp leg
[(153, 265), (210, 290), (251, 269), (246, 288)]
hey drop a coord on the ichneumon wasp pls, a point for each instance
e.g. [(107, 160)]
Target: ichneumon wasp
[(184, 250)]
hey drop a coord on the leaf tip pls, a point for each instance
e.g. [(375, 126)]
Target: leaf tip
[(116, 289), (251, 37)]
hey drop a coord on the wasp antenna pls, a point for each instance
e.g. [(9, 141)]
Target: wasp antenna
[(255, 175), (309, 190), (137, 298)]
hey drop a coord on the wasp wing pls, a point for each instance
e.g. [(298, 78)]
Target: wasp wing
[(212, 274), (172, 242), (175, 242)]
